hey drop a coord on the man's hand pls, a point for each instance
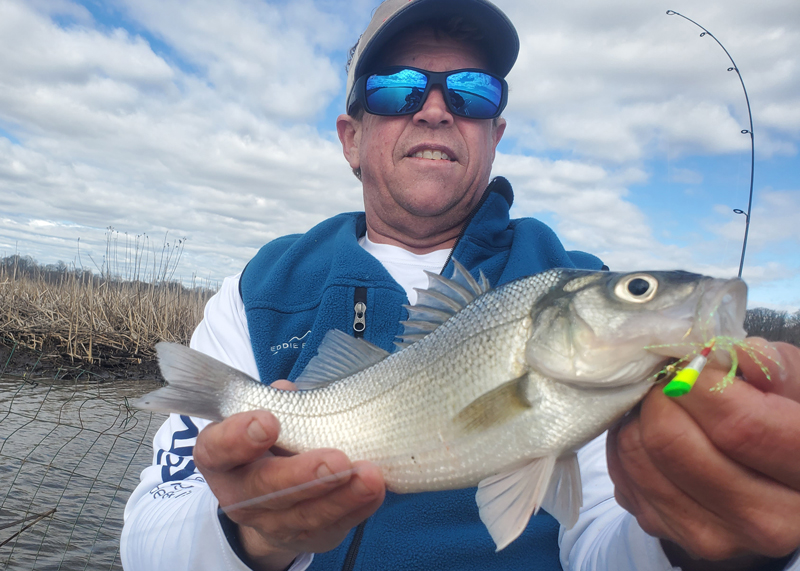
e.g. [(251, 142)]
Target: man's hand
[(718, 474), (231, 457)]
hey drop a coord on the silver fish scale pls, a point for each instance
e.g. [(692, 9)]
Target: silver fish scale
[(381, 414)]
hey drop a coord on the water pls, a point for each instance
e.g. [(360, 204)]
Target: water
[(74, 446)]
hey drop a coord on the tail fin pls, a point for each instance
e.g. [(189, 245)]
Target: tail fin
[(197, 383)]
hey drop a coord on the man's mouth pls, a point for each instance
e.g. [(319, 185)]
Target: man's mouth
[(434, 155), (431, 153)]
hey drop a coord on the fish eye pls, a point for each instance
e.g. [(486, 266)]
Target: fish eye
[(637, 288)]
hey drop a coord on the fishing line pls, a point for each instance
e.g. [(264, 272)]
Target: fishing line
[(287, 491)]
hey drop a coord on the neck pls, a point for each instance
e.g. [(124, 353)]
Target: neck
[(418, 234), (416, 245)]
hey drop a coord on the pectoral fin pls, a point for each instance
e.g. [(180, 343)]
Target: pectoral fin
[(507, 501), (499, 405)]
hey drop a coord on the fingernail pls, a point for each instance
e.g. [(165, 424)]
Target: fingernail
[(360, 488), (256, 431), (323, 471)]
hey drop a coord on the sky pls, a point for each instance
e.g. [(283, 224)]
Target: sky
[(208, 127)]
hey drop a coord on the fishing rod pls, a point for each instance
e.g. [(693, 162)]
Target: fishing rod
[(744, 132)]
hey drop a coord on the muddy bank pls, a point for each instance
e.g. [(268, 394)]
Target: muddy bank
[(19, 361)]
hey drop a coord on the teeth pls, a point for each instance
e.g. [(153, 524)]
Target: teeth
[(434, 155)]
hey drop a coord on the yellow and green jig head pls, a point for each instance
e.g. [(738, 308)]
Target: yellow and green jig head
[(685, 379)]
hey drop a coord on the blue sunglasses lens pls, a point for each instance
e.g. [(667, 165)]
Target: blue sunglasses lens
[(474, 94), (396, 94), (471, 93)]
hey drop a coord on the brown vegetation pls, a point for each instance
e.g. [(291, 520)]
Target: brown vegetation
[(73, 317)]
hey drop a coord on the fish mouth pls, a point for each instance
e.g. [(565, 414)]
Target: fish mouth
[(723, 314), (720, 309)]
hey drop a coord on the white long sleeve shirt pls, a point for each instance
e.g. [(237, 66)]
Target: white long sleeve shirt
[(171, 521)]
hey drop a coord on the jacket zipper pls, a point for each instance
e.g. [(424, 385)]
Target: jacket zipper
[(359, 326), (352, 551), (360, 310)]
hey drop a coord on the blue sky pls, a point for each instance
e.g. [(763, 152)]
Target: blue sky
[(214, 121)]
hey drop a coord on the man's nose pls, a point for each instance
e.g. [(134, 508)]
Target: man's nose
[(434, 111)]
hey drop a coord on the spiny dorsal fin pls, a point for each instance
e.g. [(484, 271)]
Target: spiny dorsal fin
[(338, 356), (441, 301)]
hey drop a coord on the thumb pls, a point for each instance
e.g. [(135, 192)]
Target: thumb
[(771, 367), (237, 440)]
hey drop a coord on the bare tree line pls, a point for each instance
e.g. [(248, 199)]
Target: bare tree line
[(773, 325)]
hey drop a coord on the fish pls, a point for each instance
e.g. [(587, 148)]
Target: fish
[(490, 387)]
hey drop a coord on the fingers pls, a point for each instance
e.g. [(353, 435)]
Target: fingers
[(761, 364), (287, 504), (760, 430), (319, 518), (279, 482), (771, 367), (744, 501), (331, 511), (672, 473), (238, 440), (660, 506), (285, 385)]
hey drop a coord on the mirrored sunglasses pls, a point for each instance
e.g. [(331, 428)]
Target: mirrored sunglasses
[(471, 93)]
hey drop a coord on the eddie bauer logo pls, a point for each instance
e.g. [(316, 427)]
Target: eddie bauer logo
[(293, 343)]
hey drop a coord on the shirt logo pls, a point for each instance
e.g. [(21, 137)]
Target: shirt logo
[(293, 343)]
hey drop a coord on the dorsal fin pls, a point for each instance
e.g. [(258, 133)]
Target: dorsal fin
[(442, 300), (338, 356)]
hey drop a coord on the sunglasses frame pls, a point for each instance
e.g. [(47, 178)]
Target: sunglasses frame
[(359, 93)]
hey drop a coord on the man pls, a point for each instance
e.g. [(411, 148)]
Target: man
[(716, 477)]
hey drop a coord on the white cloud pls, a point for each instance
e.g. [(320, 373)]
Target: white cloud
[(201, 119), (268, 57), (112, 134), (774, 220), (612, 80)]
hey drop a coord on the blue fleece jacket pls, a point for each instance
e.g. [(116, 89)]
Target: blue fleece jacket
[(300, 286)]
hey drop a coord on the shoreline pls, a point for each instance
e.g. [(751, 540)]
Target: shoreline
[(26, 364)]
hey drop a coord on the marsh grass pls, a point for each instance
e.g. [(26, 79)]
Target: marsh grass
[(72, 316)]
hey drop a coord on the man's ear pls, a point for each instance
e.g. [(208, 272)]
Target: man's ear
[(499, 128), (349, 130)]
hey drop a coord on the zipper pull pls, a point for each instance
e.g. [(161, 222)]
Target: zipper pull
[(360, 322), (360, 309)]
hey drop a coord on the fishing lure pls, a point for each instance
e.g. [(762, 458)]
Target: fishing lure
[(685, 378)]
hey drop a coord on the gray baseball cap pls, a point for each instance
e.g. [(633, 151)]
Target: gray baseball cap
[(500, 40)]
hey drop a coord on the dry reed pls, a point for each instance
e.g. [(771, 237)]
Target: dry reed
[(74, 317)]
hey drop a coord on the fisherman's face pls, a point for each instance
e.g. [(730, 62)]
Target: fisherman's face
[(422, 199)]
